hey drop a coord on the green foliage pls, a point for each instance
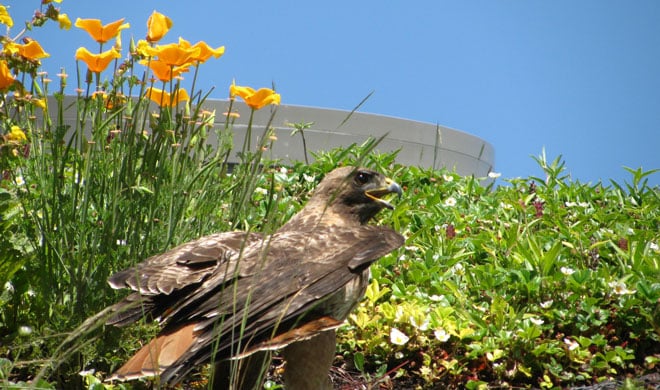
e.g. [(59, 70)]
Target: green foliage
[(536, 282), (15, 249)]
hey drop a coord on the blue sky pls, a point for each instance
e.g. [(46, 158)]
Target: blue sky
[(578, 78)]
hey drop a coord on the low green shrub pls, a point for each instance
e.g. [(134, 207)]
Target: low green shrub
[(541, 282)]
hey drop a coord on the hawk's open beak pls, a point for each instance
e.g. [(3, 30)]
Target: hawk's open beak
[(390, 187)]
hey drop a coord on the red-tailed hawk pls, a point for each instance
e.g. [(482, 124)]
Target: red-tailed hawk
[(238, 295)]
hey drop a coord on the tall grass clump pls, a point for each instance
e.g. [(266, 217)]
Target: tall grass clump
[(132, 175)]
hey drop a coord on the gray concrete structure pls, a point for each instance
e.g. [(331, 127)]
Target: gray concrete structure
[(421, 144)]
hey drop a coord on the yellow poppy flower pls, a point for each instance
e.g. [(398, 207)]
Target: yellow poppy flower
[(32, 51), (176, 55), (10, 47), (5, 18), (97, 62), (6, 78), (255, 99), (41, 103), (101, 33), (163, 71), (205, 51), (64, 21), (163, 98), (157, 26), (144, 49), (16, 135)]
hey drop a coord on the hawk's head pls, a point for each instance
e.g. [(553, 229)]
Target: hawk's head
[(354, 193)]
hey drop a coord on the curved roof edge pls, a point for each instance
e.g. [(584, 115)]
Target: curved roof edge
[(420, 143)]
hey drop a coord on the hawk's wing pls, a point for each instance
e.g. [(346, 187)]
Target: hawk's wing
[(291, 287), (175, 271)]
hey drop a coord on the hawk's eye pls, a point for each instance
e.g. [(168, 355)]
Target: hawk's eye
[(362, 178)]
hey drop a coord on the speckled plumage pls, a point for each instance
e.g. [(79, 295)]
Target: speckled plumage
[(230, 295)]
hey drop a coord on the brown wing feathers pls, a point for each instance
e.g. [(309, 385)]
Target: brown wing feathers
[(230, 294)]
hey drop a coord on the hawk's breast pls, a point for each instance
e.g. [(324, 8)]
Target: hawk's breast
[(340, 304)]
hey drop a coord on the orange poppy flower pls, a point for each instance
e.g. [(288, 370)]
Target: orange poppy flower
[(163, 71), (101, 33), (176, 55), (97, 62), (205, 51), (6, 78), (32, 50), (255, 99), (163, 98), (157, 26)]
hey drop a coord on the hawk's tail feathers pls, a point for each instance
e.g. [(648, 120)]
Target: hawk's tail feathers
[(158, 355)]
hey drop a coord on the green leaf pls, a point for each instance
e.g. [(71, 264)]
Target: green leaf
[(358, 361)]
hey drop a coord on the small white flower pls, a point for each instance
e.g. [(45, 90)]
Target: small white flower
[(437, 228), (494, 175), (121, 242), (9, 287), (19, 181), (284, 171), (397, 337), (570, 204), (450, 202), (30, 293), (24, 330), (308, 178), (402, 257), (653, 246), (458, 269), (448, 177), (572, 344), (437, 298), (398, 355), (620, 288), (547, 304), (567, 271), (441, 335), (261, 191), (536, 321)]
